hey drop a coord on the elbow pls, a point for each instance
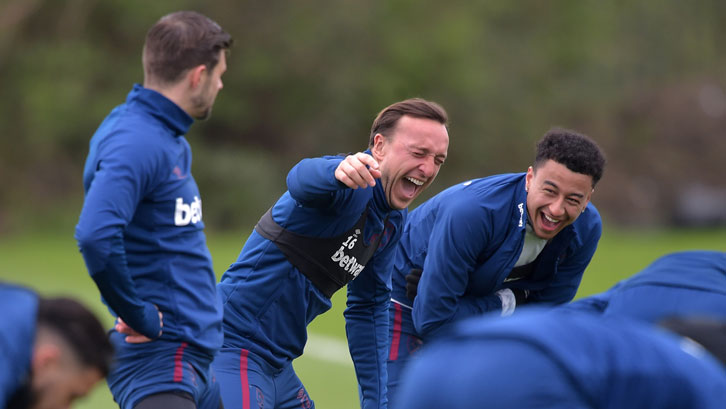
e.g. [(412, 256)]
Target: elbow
[(93, 247), (292, 180), (86, 240), (426, 328)]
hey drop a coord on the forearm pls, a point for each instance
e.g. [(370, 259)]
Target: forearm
[(109, 271), (366, 323), (566, 282), (367, 330), (124, 176), (312, 180), (432, 319)]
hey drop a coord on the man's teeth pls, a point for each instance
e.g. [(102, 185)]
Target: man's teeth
[(551, 220), (415, 181)]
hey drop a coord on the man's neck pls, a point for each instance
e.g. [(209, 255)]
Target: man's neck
[(174, 93)]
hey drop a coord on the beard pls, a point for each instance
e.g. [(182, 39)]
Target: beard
[(202, 106), (204, 115)]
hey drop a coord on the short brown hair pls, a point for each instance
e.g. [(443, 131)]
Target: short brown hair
[(180, 41), (415, 107)]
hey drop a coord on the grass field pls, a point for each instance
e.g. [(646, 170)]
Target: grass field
[(51, 264)]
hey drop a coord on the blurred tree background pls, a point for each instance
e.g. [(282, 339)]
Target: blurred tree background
[(645, 79)]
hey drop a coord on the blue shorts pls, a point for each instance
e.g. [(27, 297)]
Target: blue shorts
[(403, 343), (248, 382), (145, 369)]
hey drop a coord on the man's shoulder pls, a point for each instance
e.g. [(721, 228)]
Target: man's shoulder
[(474, 199), (138, 127), (496, 188), (589, 219), (489, 192), (16, 294), (132, 134)]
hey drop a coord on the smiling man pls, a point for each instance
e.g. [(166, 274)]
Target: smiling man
[(337, 224), (494, 243)]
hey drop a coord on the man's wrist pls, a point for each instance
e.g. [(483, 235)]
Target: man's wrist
[(508, 299)]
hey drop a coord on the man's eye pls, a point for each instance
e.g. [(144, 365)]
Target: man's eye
[(418, 154)]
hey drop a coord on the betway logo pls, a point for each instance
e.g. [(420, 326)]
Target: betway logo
[(187, 213), (521, 213), (348, 263)]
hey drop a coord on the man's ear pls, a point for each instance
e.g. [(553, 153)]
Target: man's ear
[(379, 141), (45, 355), (528, 178), (588, 197), (195, 75)]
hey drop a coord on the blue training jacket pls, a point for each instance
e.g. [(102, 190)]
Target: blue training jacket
[(552, 359), (19, 308), (467, 240), (268, 303), (687, 283), (141, 230)]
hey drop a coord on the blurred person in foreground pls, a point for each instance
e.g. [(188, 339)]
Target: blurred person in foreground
[(141, 230), (686, 283), (336, 225), (496, 243), (551, 359), (53, 351)]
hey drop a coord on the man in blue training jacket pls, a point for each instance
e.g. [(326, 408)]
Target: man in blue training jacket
[(337, 224), (685, 284), (141, 230), (551, 359), (494, 243), (52, 350)]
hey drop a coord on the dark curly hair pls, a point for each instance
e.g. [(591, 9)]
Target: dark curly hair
[(80, 328), (576, 151)]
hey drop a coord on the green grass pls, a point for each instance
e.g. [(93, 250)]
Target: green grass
[(51, 264)]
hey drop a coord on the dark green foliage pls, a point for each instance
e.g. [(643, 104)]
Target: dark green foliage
[(644, 79)]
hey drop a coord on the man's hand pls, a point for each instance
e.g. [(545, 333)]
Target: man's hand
[(133, 337), (511, 298), (520, 295), (412, 280), (358, 170)]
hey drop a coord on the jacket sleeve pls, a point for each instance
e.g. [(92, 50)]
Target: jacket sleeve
[(366, 325), (459, 234), (311, 182), (119, 182), (569, 273), (596, 303)]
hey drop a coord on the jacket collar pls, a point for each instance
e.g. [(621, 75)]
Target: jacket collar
[(161, 108)]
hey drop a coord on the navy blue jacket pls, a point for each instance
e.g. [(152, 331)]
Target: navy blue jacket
[(141, 230), (467, 240), (554, 359), (268, 303), (19, 308), (688, 283)]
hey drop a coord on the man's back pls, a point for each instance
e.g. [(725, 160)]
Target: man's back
[(550, 359), (688, 283)]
